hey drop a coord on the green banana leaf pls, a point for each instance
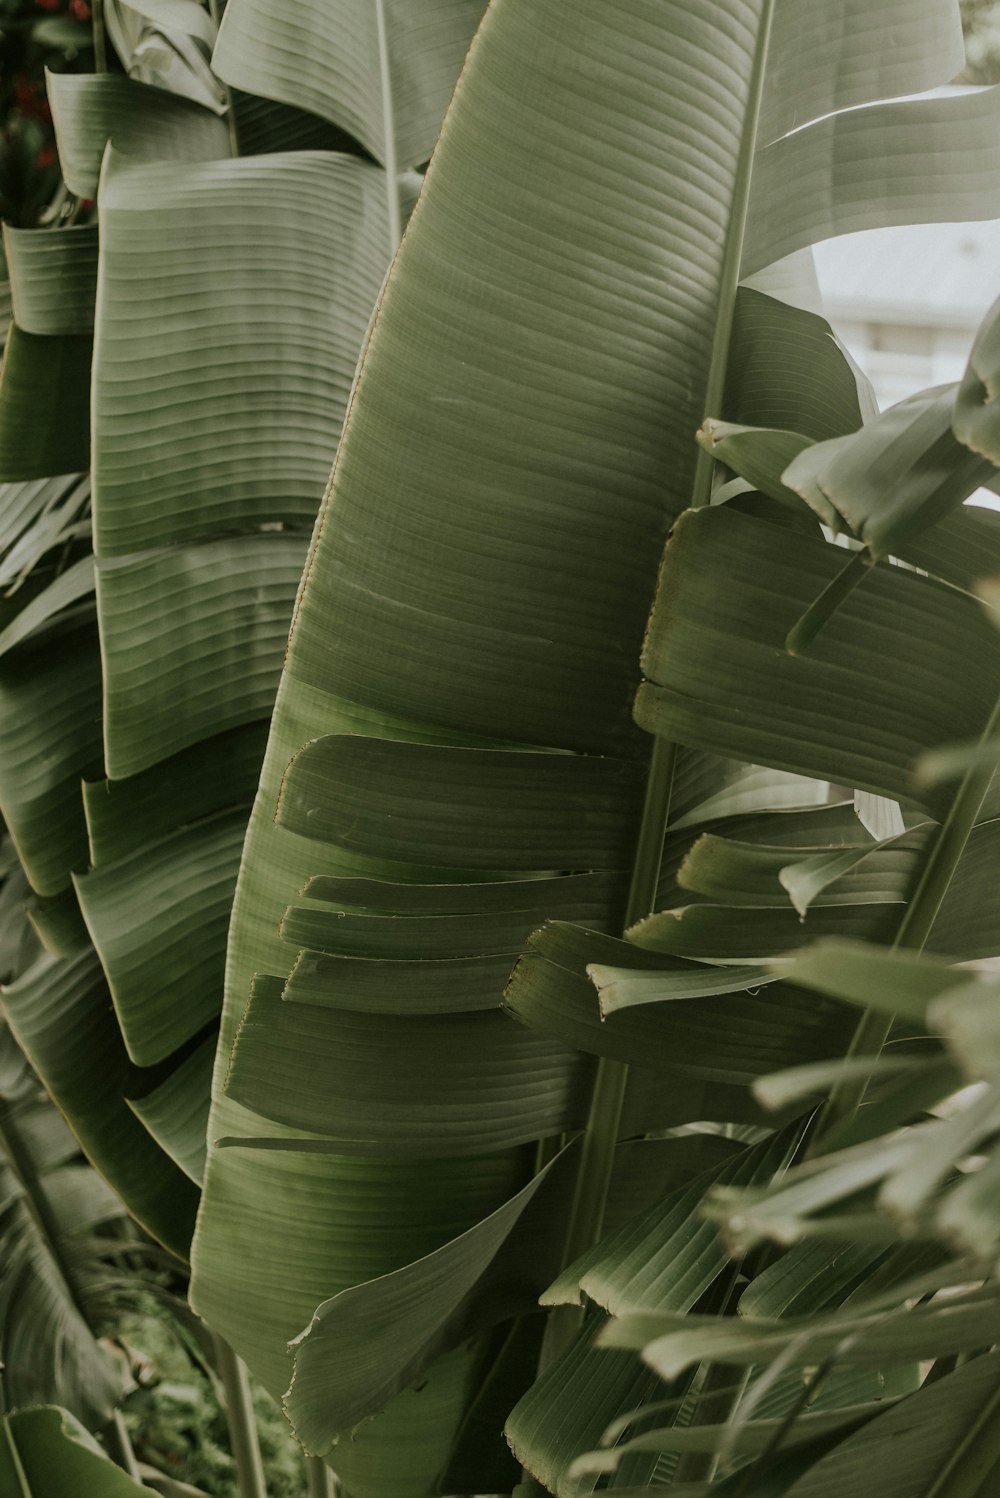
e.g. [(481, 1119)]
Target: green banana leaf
[(46, 1453), (44, 427), (89, 110), (60, 1013), (53, 278), (324, 58)]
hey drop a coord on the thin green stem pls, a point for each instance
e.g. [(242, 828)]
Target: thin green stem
[(821, 610), (600, 1138), (119, 1446), (318, 1475), (729, 277), (389, 129), (240, 1419), (15, 1457), (100, 36), (914, 929), (234, 139)]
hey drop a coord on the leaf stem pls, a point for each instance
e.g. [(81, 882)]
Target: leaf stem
[(240, 1419), (119, 1446), (729, 274), (100, 36), (593, 1180), (15, 1457), (234, 137), (822, 609), (318, 1476), (389, 128), (918, 921)]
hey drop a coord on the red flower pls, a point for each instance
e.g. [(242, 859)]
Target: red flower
[(79, 9), (48, 4), (45, 158)]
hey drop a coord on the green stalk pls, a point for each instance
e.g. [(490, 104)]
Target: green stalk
[(822, 609), (15, 1457), (99, 35), (914, 929), (318, 1475), (600, 1138), (234, 140), (389, 127), (119, 1446), (240, 1419)]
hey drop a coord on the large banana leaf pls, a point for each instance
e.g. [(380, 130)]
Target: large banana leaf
[(553, 331)]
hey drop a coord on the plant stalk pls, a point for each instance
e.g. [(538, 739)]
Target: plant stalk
[(119, 1446), (240, 1418), (318, 1475), (918, 921), (821, 610), (99, 35), (17, 1464), (234, 139), (389, 129)]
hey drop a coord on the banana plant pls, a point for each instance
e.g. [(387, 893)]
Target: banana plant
[(453, 759), (453, 753)]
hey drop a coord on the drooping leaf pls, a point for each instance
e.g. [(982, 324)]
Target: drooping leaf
[(722, 1038), (758, 454), (174, 1112), (219, 773), (46, 1453), (389, 1327), (88, 110), (192, 639), (44, 422), (786, 369), (827, 58), (47, 1281), (53, 276), (292, 52), (281, 320), (919, 656), (49, 691), (897, 476), (468, 808), (890, 163), (158, 922), (60, 1012)]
